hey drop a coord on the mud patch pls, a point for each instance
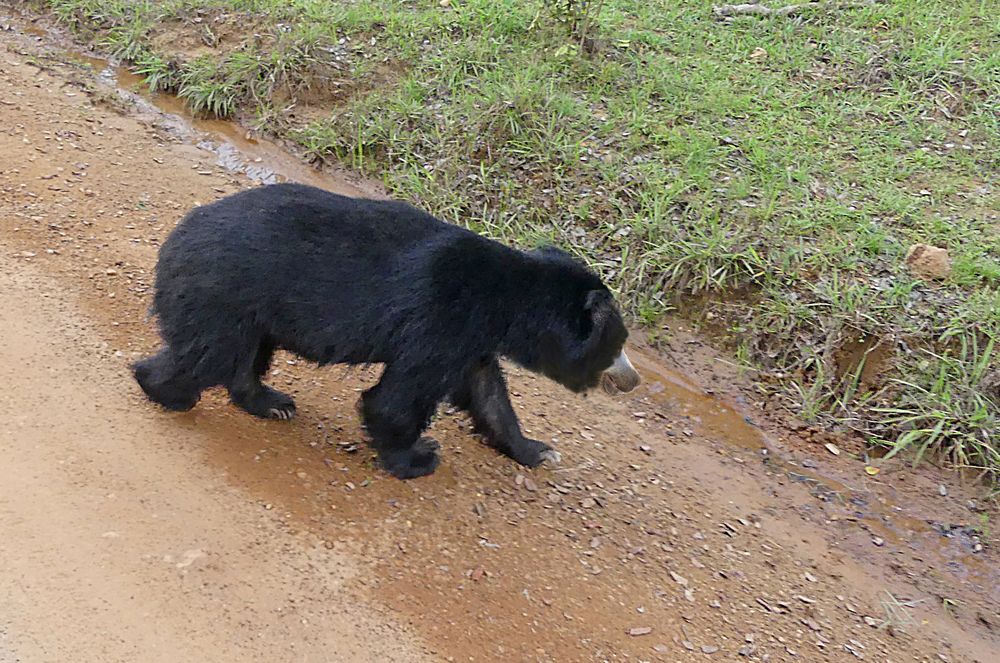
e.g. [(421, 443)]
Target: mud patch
[(863, 360), (203, 32), (954, 548)]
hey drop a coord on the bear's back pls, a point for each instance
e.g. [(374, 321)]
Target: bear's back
[(304, 265), (306, 213)]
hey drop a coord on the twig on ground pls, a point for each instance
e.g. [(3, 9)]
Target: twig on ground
[(897, 613), (755, 8), (760, 10)]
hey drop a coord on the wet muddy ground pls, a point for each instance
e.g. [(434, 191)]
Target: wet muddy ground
[(686, 522)]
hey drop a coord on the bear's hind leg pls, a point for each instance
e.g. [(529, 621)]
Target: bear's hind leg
[(484, 396), (395, 416), (247, 392), (164, 382)]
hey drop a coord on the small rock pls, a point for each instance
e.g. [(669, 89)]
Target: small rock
[(190, 556), (855, 647), (758, 54), (942, 490), (709, 649), (878, 541), (928, 262), (832, 448), (637, 631)]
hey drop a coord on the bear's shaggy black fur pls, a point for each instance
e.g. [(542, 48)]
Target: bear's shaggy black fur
[(357, 281)]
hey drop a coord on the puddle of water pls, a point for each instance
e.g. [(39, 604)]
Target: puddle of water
[(724, 422), (709, 414)]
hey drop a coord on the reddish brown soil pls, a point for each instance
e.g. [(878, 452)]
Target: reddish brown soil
[(129, 534)]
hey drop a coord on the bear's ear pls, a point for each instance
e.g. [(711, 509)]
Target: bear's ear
[(597, 305), (595, 298)]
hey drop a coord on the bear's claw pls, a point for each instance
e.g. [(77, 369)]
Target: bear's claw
[(266, 403), (285, 414), (551, 456)]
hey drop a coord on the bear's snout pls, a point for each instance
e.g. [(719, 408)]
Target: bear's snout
[(621, 377)]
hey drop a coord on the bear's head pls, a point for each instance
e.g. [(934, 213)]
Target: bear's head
[(582, 343)]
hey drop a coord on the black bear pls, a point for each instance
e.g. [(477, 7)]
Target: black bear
[(359, 281)]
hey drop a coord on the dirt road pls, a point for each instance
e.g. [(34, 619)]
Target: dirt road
[(119, 545), (129, 534)]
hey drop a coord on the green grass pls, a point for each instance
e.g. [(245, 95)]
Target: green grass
[(773, 193)]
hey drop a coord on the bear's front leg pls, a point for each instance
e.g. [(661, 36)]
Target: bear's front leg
[(395, 415), (484, 396)]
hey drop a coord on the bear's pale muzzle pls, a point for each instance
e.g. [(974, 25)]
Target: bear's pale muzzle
[(621, 377)]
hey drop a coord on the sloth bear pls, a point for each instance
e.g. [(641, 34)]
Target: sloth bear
[(339, 280)]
